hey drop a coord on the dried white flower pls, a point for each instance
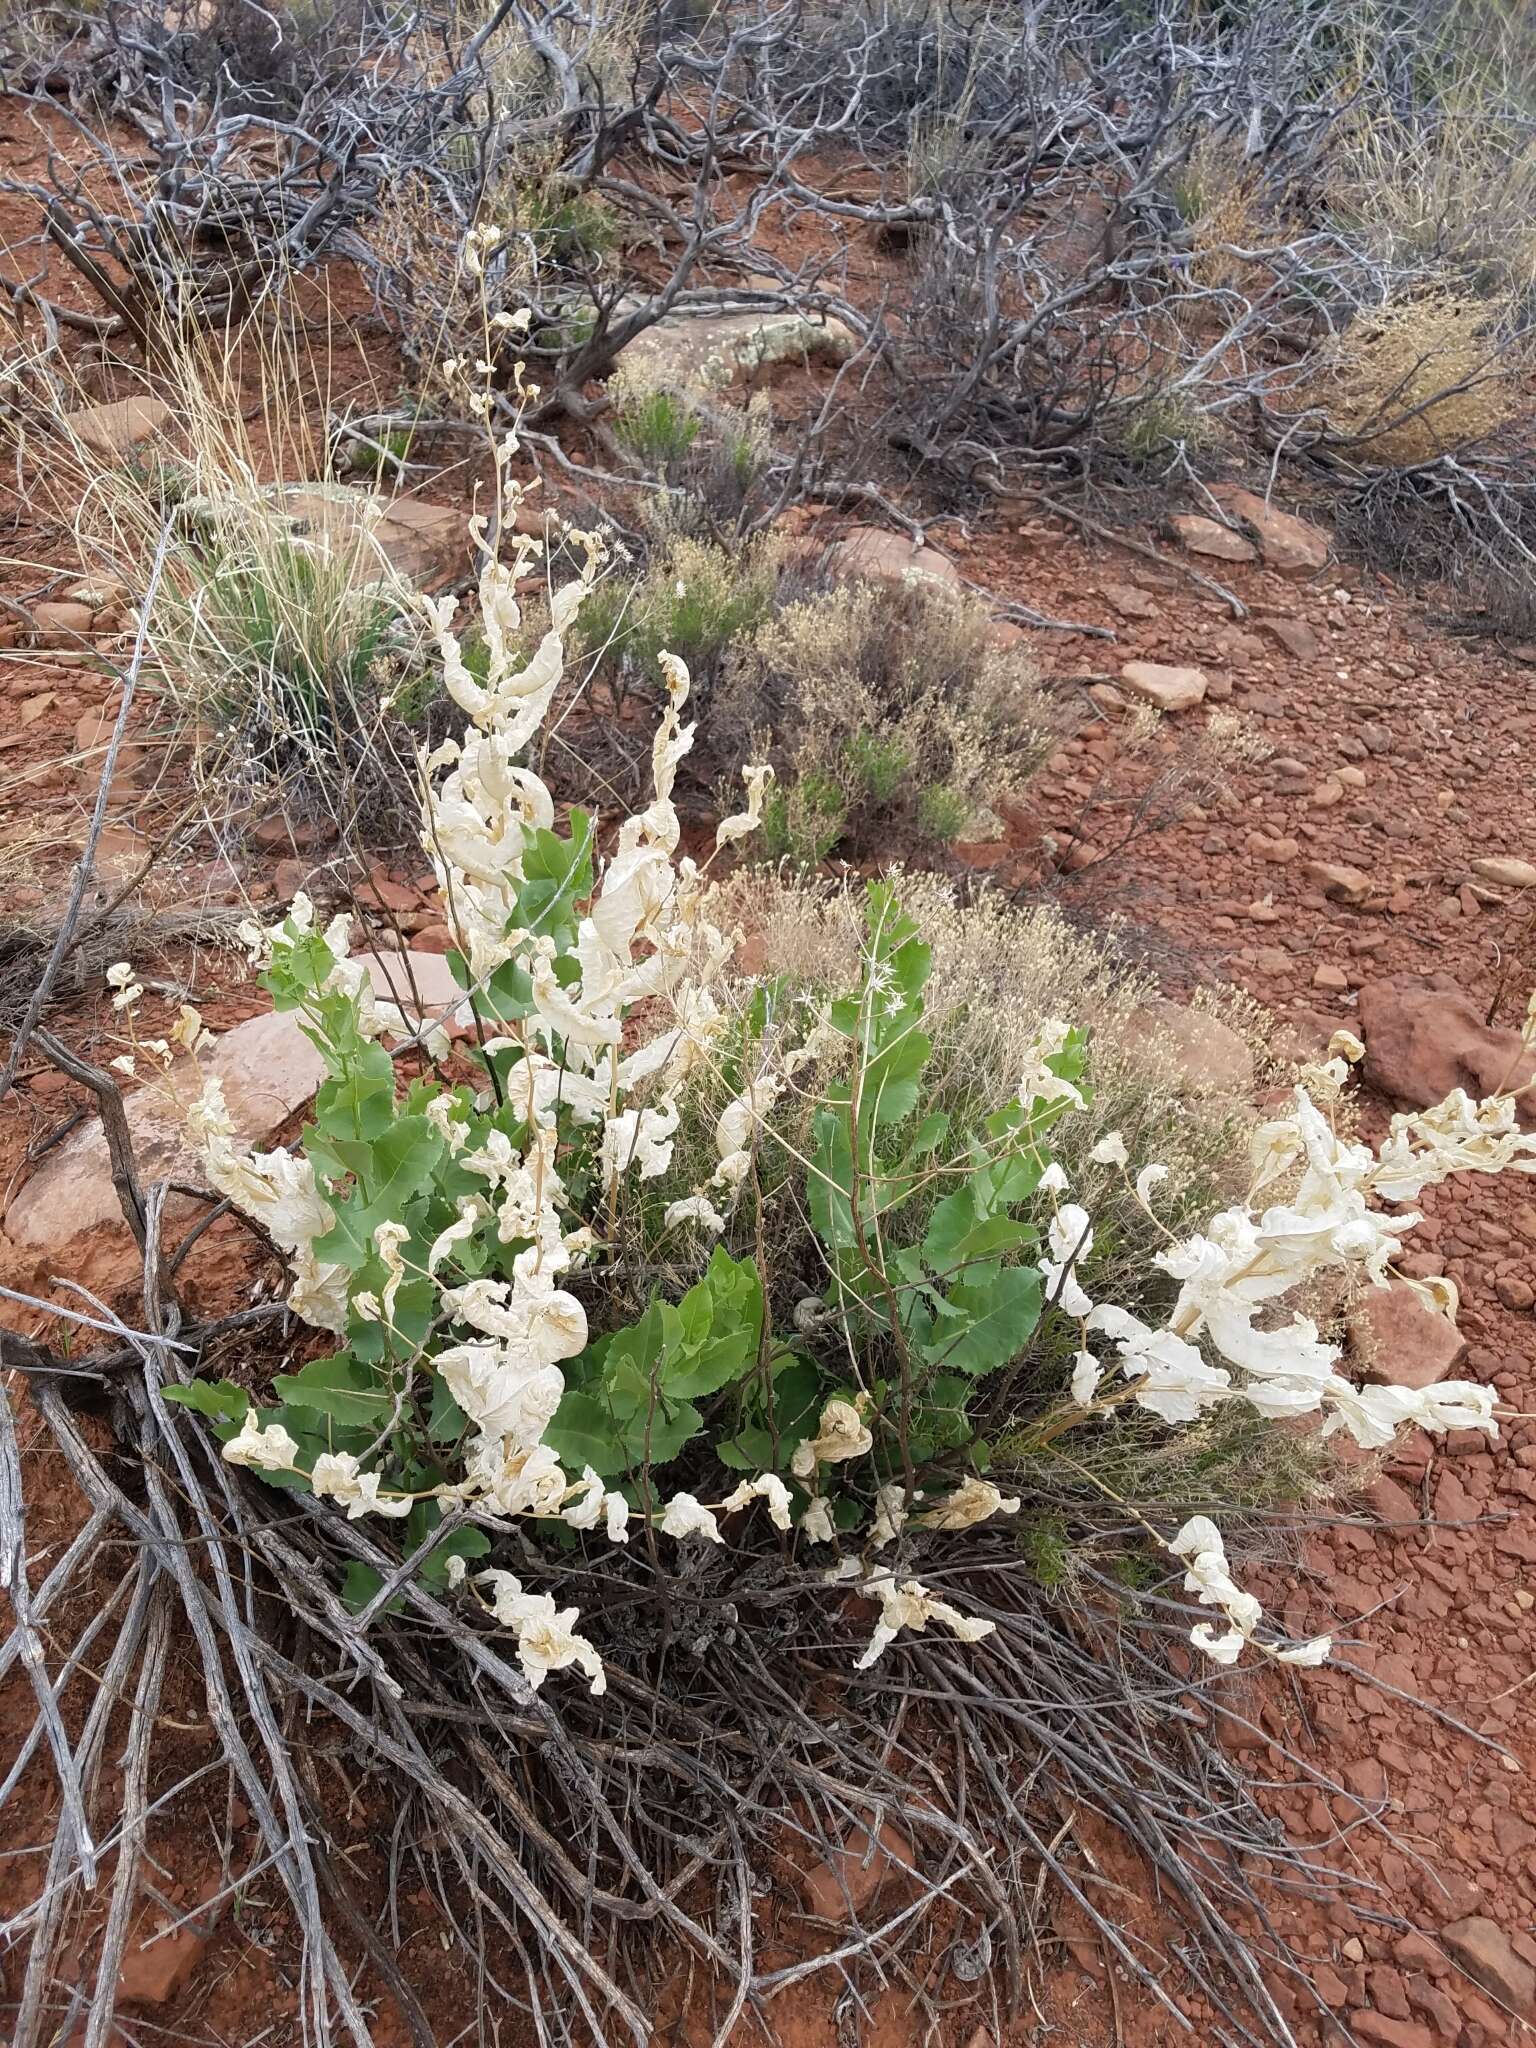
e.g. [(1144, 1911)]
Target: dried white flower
[(766, 1486), (336, 1477), (816, 1524), (1070, 1238), (843, 1434), (974, 1500), (546, 1638), (684, 1516), (697, 1209), (1110, 1151), (910, 1605), (270, 1449)]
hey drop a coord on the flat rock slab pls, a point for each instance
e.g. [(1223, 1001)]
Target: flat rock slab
[(883, 557), (424, 544), (1395, 1339), (1170, 689), (719, 349), (269, 1070), (1505, 872), (111, 432), (1202, 536), (1421, 1042), (1291, 545)]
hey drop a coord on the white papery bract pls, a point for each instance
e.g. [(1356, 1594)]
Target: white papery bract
[(685, 1516), (1070, 1237), (843, 1434), (1200, 1547), (909, 1605), (336, 1476), (269, 1449), (546, 1636), (973, 1500)]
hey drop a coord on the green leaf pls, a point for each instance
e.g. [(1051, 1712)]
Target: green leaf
[(338, 1386), (390, 1170), (219, 1400), (830, 1188), (359, 1583), (359, 1103), (997, 1314), (584, 1433)]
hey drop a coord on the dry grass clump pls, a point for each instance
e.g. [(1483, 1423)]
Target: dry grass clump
[(277, 623), (891, 715), (1441, 178), (1220, 197), (1428, 372)]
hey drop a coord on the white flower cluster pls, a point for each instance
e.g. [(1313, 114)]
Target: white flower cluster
[(1235, 1273)]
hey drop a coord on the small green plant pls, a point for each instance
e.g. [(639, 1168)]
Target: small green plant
[(943, 814), (573, 228), (658, 429), (696, 599), (878, 762), (895, 716), (803, 823), (1157, 425)]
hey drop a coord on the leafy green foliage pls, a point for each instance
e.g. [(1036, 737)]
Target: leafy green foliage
[(631, 1399)]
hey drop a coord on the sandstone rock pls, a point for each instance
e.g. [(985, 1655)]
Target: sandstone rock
[(1422, 1042), (1209, 1057), (1392, 1504), (1286, 542), (155, 1970), (870, 551), (1382, 2032), (1505, 872), (1514, 1292), (1129, 601), (1339, 884), (379, 537), (71, 621), (841, 1887), (268, 1068), (1328, 977), (1294, 635), (1484, 1951), (718, 349), (1202, 536), (1170, 689), (1395, 1339), (113, 431)]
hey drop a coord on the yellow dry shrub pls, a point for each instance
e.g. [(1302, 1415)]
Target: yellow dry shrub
[(1420, 375)]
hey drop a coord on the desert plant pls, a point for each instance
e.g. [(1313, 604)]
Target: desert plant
[(1433, 166), (279, 624), (1430, 371), (893, 714), (685, 1344), (694, 598)]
